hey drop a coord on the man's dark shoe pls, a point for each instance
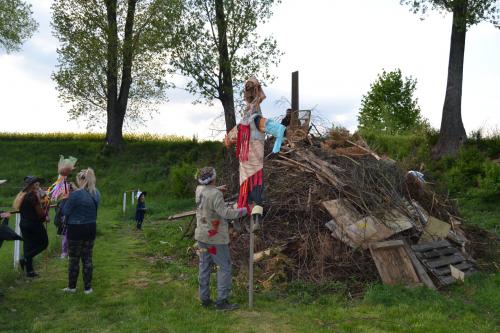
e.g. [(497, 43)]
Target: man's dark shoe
[(32, 274), (206, 303), (224, 305)]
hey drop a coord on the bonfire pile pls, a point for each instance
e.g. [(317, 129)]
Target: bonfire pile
[(334, 209)]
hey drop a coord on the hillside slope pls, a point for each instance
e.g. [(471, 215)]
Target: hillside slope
[(146, 282)]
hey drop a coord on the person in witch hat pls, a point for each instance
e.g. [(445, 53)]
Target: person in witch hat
[(33, 215)]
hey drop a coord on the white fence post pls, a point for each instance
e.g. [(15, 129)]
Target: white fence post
[(133, 195), (124, 202), (17, 244)]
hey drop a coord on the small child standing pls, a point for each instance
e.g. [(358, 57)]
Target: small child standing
[(140, 210)]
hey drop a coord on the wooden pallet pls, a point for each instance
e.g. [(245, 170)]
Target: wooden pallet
[(437, 258)]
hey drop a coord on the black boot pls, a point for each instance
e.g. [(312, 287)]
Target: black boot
[(206, 303), (32, 274), (22, 264), (224, 305)]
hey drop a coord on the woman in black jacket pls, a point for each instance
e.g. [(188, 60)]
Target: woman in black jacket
[(33, 215)]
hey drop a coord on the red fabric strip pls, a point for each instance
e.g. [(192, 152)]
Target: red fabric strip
[(243, 142)]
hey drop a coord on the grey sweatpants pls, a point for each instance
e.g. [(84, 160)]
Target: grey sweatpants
[(214, 255)]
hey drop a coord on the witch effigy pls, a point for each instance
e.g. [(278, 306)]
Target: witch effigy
[(58, 192), (61, 187), (249, 136)]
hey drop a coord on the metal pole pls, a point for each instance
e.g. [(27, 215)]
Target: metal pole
[(17, 244), (250, 264), (124, 202)]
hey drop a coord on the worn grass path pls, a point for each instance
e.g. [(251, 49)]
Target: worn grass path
[(134, 294)]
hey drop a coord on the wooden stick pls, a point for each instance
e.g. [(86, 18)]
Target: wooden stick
[(378, 158), (182, 215)]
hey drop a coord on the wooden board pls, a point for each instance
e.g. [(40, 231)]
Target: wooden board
[(397, 221), (393, 263), (367, 230), (351, 228), (434, 230), (342, 213)]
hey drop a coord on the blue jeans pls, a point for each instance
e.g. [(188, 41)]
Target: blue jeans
[(214, 255)]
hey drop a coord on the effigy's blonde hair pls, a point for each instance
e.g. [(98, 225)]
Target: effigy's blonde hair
[(86, 180)]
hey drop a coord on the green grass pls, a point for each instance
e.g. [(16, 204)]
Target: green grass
[(146, 281)]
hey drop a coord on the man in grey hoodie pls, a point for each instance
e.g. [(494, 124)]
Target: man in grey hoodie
[(212, 215)]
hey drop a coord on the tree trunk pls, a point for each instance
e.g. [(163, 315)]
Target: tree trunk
[(226, 94), (452, 134), (115, 130), (128, 56), (117, 103), (114, 137)]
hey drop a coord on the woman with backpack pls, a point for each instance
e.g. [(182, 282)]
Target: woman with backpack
[(80, 211)]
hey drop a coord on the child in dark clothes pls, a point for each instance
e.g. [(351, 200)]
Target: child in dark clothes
[(140, 210)]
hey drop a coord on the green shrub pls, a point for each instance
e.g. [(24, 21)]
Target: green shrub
[(181, 182), (465, 170), (489, 184)]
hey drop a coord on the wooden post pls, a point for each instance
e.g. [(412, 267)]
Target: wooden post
[(295, 91), (250, 264), (294, 115)]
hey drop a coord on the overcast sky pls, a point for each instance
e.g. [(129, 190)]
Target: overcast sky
[(338, 46)]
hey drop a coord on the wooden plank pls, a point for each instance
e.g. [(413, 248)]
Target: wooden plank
[(397, 221), (342, 213), (464, 266), (430, 245), (339, 233), (438, 252), (393, 264), (419, 269), (444, 261), (182, 215), (391, 243), (446, 280), (368, 230)]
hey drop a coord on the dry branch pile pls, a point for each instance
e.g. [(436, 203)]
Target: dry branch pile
[(299, 238)]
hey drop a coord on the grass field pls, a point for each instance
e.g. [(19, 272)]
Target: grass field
[(145, 281)]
